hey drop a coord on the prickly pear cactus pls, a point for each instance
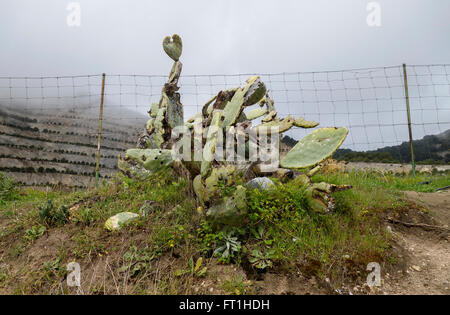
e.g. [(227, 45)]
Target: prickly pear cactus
[(165, 116), (226, 113)]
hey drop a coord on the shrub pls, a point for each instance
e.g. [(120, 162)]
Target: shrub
[(8, 189), (51, 215)]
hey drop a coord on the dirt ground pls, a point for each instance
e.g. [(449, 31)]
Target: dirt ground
[(426, 250), (423, 265)]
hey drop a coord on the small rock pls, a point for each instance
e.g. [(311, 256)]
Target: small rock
[(261, 183), (389, 229), (346, 256), (416, 268), (425, 170), (117, 221)]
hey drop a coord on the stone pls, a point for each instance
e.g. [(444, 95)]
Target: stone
[(116, 222), (425, 170), (261, 183)]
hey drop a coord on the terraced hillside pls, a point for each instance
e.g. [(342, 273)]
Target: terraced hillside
[(49, 147)]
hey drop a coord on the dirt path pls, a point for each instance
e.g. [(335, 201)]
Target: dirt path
[(426, 253)]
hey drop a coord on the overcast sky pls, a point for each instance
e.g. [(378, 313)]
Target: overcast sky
[(234, 37), (219, 36)]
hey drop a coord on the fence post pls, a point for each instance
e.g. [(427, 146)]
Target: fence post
[(99, 139), (408, 113)]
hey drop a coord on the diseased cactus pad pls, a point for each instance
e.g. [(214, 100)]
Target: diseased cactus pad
[(255, 113), (231, 211), (153, 160), (314, 148), (119, 220)]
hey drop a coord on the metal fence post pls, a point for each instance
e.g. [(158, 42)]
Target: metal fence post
[(99, 139), (408, 113)]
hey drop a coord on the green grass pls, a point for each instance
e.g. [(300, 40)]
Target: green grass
[(287, 231), (419, 183), (281, 233)]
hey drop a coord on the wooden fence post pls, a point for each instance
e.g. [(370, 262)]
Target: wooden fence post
[(99, 139), (408, 113)]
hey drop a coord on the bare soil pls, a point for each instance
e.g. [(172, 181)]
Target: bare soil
[(425, 252)]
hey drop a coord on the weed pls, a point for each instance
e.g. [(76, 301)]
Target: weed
[(34, 233), (261, 260), (228, 246), (8, 189), (50, 215), (54, 268), (194, 270), (136, 261), (236, 285)]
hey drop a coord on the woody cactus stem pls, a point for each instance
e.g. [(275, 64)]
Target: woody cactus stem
[(165, 116)]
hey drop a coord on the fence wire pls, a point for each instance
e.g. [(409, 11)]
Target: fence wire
[(49, 125)]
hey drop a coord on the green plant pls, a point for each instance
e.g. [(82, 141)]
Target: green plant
[(34, 233), (228, 246), (237, 285), (54, 268), (3, 276), (262, 260), (136, 260), (8, 189), (194, 270), (51, 215)]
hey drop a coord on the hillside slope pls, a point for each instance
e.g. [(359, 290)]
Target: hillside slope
[(42, 147)]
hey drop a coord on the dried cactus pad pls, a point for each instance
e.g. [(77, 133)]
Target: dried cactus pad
[(314, 148), (173, 48), (153, 160), (119, 220)]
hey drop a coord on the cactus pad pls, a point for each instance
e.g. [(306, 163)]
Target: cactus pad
[(232, 210), (174, 47), (314, 148), (153, 160), (255, 113), (302, 123)]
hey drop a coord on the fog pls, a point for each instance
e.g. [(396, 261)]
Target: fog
[(287, 38)]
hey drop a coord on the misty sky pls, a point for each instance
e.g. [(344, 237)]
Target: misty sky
[(234, 37), (244, 36)]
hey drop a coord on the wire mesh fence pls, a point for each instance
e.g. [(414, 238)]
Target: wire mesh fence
[(49, 125)]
